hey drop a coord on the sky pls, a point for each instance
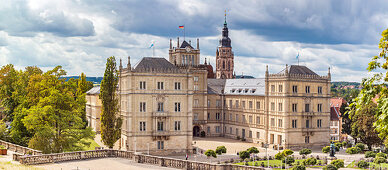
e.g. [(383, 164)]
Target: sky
[(81, 34)]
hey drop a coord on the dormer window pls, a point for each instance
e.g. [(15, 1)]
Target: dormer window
[(239, 90), (233, 90), (246, 90), (253, 90)]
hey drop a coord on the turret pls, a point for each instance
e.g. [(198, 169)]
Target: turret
[(177, 43), (170, 44), (129, 63), (197, 43), (121, 65)]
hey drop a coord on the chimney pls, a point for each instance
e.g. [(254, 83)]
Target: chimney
[(129, 63), (286, 69), (121, 64), (177, 43), (197, 43), (190, 42), (170, 44)]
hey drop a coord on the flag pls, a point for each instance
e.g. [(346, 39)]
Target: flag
[(297, 57), (182, 27), (152, 45)]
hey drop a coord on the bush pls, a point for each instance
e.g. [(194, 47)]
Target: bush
[(330, 167), (238, 137), (311, 161), (305, 151), (220, 150), (345, 143), (244, 154), (326, 149), (338, 144), (279, 156), (370, 154), (379, 160), (361, 146), (339, 163), (203, 134), (289, 160), (353, 150), (2, 147), (383, 155), (210, 153), (288, 152), (362, 164), (253, 150), (299, 167), (256, 163)]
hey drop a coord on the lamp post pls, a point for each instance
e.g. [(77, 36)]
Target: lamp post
[(266, 153)]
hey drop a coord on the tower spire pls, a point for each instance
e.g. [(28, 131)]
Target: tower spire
[(225, 18)]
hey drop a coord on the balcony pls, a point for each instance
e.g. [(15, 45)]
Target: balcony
[(199, 122), (160, 135), (160, 114)]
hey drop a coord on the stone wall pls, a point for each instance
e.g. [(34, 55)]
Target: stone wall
[(19, 149)]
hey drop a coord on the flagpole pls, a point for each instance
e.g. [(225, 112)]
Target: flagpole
[(184, 32), (153, 51)]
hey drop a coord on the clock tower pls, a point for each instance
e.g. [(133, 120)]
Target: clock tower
[(184, 54), (225, 56)]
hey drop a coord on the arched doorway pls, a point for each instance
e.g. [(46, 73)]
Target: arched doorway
[(196, 131)]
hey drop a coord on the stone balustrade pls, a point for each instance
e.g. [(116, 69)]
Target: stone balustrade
[(19, 149)]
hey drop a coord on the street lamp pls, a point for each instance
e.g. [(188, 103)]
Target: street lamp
[(266, 153)]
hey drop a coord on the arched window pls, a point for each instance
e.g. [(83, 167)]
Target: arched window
[(223, 64)]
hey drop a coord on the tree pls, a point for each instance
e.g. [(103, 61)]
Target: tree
[(279, 156), (220, 150), (311, 161), (244, 154), (305, 152), (326, 149), (110, 120), (288, 152), (82, 88), (8, 79), (210, 153), (253, 150), (370, 154)]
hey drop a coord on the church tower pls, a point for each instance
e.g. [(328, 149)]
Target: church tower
[(224, 56)]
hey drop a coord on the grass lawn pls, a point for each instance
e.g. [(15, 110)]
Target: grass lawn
[(92, 145), (354, 165), (9, 165), (276, 163)]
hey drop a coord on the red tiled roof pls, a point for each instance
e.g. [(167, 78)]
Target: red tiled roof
[(334, 113), (337, 102)]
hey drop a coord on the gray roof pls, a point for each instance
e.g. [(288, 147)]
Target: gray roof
[(245, 86), (155, 64), (215, 86), (94, 90), (185, 44), (296, 69)]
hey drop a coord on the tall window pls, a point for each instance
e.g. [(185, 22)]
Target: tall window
[(177, 107), (160, 144), (237, 104), (272, 122), (236, 117), (307, 139), (142, 126), (294, 124), (294, 89), (160, 86), (177, 85), (218, 103), (257, 119), (243, 104), (307, 123), (319, 89), (294, 107), (208, 116), (243, 118), (195, 116), (208, 102), (236, 131), (218, 116), (257, 135), (230, 130), (230, 103), (143, 85), (280, 107), (307, 107), (257, 105), (177, 125), (250, 104), (160, 126), (272, 88), (196, 103), (250, 119), (195, 78), (230, 117), (218, 129), (307, 89), (272, 106), (142, 107), (319, 107), (280, 123), (319, 123), (280, 88), (160, 107), (250, 134)]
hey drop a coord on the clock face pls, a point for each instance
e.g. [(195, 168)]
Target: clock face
[(188, 49)]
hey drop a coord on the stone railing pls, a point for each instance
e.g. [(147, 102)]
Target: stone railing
[(136, 157), (19, 149)]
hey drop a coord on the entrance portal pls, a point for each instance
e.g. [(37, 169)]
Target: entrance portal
[(196, 130)]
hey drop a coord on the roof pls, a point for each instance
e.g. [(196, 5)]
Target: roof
[(297, 69), (334, 114), (185, 44), (245, 86), (94, 90), (155, 64), (215, 86), (337, 102)]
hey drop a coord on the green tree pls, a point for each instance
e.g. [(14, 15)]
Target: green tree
[(244, 154), (370, 154), (220, 150), (210, 153), (8, 79), (288, 152), (110, 120), (253, 150), (82, 88), (326, 149)]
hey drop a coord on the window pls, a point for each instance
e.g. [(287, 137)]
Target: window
[(243, 104), (195, 87), (280, 88), (307, 89), (142, 126), (231, 130), (236, 117), (257, 105), (208, 116), (208, 103), (177, 85), (196, 103), (195, 116), (250, 134), (230, 117), (307, 139), (319, 107), (294, 107), (280, 123), (208, 130), (294, 89), (307, 107), (230, 103), (319, 89), (218, 103), (160, 86), (257, 119), (142, 107), (143, 85), (257, 135), (250, 104), (272, 122), (250, 119), (236, 103), (160, 126), (280, 107), (272, 106), (177, 107), (160, 107), (307, 123), (160, 144), (243, 118), (218, 116), (272, 88), (218, 129), (294, 124), (319, 123), (177, 125), (195, 78), (236, 131)]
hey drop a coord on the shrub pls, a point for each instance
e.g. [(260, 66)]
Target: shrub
[(379, 160), (244, 154), (210, 153), (336, 148), (279, 156), (253, 150), (2, 147), (345, 143), (383, 155), (362, 164), (353, 150), (299, 167), (326, 149), (203, 134), (288, 152), (305, 151), (338, 144), (256, 163), (220, 150), (370, 154), (290, 160), (339, 163), (361, 146), (311, 161), (262, 164), (238, 137), (330, 167)]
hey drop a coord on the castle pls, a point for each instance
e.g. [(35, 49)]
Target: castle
[(164, 104)]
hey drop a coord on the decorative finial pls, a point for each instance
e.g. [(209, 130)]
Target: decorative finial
[(205, 62), (329, 70), (225, 17), (286, 69), (170, 44), (129, 63), (121, 64)]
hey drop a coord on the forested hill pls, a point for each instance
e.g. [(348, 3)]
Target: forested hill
[(344, 83), (95, 80)]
